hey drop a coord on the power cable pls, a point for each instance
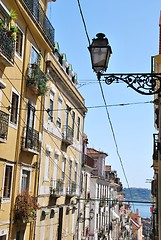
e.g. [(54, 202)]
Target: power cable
[(83, 20), (39, 121), (42, 58), (109, 119), (89, 107), (114, 138)]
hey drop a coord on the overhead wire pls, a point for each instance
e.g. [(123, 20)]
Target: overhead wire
[(88, 107), (44, 150), (44, 60), (39, 100), (107, 112)]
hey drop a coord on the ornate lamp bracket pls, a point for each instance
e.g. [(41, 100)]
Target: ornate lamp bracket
[(143, 83)]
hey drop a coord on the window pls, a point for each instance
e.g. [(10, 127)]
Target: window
[(47, 165), (30, 115), (76, 171), (4, 237), (97, 221), (7, 182), (35, 56), (19, 42), (67, 114), (63, 167), (25, 181), (58, 123), (73, 122), (55, 169), (51, 107), (78, 128), (14, 108), (70, 171)]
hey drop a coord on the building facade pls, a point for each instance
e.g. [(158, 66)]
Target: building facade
[(41, 127)]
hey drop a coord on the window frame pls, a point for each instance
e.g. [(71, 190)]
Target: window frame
[(29, 171), (47, 165), (10, 181), (59, 116), (34, 55), (73, 123), (78, 128), (16, 110), (20, 42), (51, 106), (64, 161)]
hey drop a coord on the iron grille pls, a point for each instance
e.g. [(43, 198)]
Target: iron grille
[(7, 45), (155, 146), (31, 139), (71, 189), (67, 134), (39, 16), (4, 120)]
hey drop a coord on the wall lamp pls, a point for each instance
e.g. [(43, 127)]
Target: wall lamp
[(143, 83)]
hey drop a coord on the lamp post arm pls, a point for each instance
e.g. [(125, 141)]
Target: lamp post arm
[(143, 83)]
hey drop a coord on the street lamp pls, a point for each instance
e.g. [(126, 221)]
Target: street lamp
[(143, 83)]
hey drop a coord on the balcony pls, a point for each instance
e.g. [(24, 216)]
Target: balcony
[(155, 146), (67, 136), (7, 47), (4, 121), (25, 208), (37, 80), (39, 17), (57, 189), (155, 151), (88, 161), (71, 190), (30, 140)]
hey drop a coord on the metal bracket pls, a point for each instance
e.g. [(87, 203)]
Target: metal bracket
[(143, 83)]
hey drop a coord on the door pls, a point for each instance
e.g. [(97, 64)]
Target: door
[(60, 223)]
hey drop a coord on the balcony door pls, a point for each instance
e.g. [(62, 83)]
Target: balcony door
[(55, 170), (30, 116), (60, 223), (30, 125)]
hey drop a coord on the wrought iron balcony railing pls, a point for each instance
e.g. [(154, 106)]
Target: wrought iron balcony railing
[(71, 189), (4, 121), (67, 135), (7, 47), (57, 188), (30, 141), (42, 21), (155, 146)]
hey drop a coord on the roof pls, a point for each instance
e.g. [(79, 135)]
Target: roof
[(94, 151)]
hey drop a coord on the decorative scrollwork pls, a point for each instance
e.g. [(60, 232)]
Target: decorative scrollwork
[(143, 83)]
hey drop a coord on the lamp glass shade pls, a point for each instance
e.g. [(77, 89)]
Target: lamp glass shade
[(100, 52)]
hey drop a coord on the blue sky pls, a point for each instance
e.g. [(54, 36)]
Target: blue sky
[(132, 28)]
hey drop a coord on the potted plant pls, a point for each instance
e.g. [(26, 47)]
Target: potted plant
[(37, 80), (25, 207)]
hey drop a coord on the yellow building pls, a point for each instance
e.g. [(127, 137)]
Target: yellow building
[(41, 125)]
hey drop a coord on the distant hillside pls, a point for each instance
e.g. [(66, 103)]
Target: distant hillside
[(138, 194)]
